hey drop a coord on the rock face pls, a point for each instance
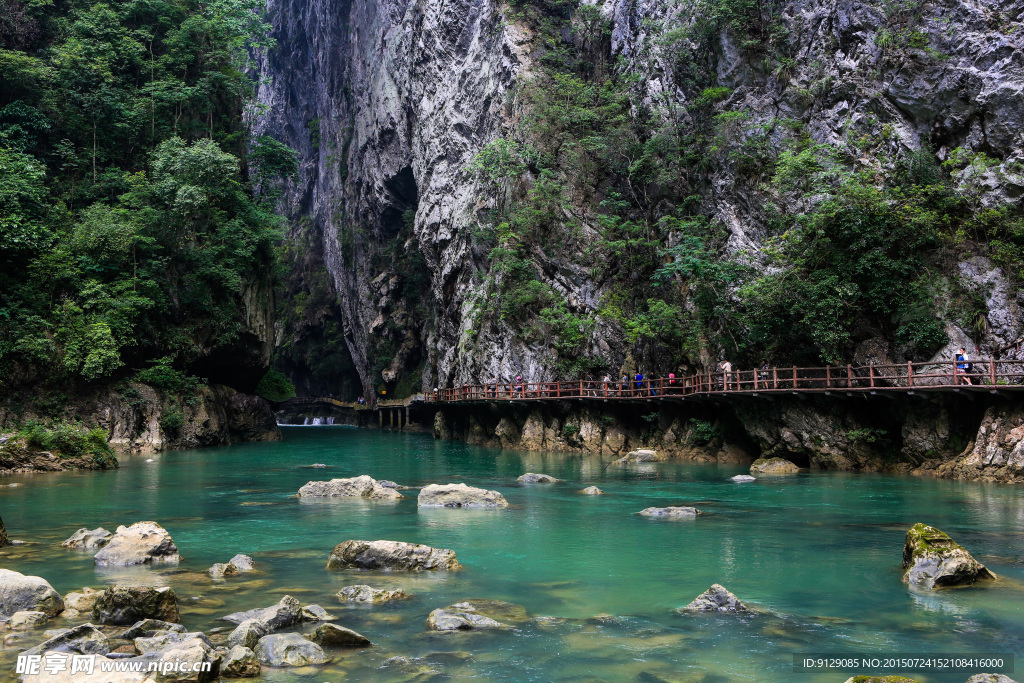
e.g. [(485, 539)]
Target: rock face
[(773, 466), (85, 539), (459, 496), (357, 487), (471, 615), (287, 612), (332, 635), (715, 599), (289, 649), (534, 478), (20, 593), (674, 512), (998, 450), (364, 593), (140, 543), (123, 605), (932, 559), (391, 556), (240, 662)]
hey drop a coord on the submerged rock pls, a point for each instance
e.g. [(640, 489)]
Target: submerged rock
[(673, 512), (27, 620), (123, 605), (85, 539), (140, 543), (85, 639), (715, 599), (240, 662), (592, 491), (332, 635), (19, 593), (363, 486), (534, 478), (931, 558), (742, 478), (470, 615), (773, 466), (881, 679), (459, 496), (289, 649), (364, 593), (287, 612), (391, 556)]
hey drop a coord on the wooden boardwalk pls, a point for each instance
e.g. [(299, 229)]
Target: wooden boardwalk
[(990, 376)]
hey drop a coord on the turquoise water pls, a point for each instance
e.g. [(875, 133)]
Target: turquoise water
[(818, 552)]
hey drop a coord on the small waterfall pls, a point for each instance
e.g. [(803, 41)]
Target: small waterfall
[(306, 422), (321, 421)]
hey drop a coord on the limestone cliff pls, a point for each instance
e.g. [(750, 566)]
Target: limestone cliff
[(389, 102)]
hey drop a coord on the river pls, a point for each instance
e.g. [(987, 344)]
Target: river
[(818, 553)]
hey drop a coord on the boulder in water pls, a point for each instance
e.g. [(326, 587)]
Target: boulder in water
[(240, 662), (140, 543), (332, 635), (84, 639), (471, 615), (248, 633), (773, 466), (592, 491), (79, 604), (364, 593), (124, 605), (931, 558), (990, 678), (391, 556), (534, 478), (743, 478), (362, 486), (148, 628), (189, 652), (85, 539), (459, 496), (239, 564), (640, 455), (671, 512), (289, 649), (315, 613), (27, 620), (881, 679), (287, 612), (715, 599), (20, 593)]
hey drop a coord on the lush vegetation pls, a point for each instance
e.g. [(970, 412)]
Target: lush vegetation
[(129, 228), (69, 440), (859, 236)]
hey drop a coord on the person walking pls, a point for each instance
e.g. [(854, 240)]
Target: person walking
[(964, 367), (726, 367), (639, 379), (607, 382), (623, 385)]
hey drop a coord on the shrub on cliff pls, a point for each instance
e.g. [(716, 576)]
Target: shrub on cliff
[(275, 387), (70, 440)]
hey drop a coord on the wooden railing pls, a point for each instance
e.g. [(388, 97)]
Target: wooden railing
[(906, 377)]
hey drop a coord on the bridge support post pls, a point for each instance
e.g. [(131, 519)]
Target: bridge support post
[(380, 418)]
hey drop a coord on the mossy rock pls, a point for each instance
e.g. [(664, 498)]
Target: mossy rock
[(880, 679), (773, 466), (932, 559)]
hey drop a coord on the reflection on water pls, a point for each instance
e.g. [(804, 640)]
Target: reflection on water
[(818, 554)]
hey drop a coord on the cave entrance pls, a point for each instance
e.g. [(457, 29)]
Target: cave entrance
[(403, 197)]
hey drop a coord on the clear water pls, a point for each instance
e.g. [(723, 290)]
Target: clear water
[(820, 552)]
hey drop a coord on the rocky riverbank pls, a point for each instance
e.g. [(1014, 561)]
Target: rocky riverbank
[(132, 419), (977, 437)]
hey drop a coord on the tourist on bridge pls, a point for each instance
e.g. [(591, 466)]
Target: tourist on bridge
[(607, 382), (623, 385), (519, 386), (726, 367), (639, 379), (591, 387), (963, 366)]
